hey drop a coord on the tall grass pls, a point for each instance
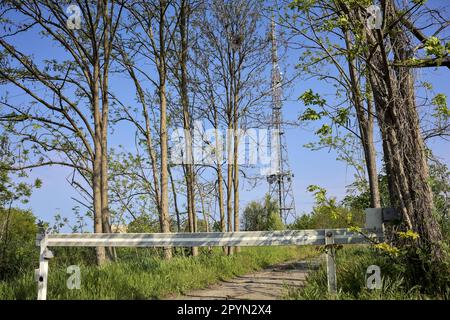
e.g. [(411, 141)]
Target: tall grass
[(149, 277), (351, 265)]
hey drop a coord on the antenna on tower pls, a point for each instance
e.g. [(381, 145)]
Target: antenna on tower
[(280, 176)]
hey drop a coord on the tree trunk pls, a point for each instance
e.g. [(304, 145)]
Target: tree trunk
[(187, 120), (236, 166), (205, 214), (175, 200), (365, 122), (191, 202), (97, 165), (229, 184), (152, 154), (162, 70), (220, 194), (165, 219), (219, 173), (404, 147), (105, 117), (219, 158)]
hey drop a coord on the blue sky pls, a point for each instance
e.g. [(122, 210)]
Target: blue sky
[(309, 167)]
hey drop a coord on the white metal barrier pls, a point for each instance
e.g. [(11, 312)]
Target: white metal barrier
[(328, 237)]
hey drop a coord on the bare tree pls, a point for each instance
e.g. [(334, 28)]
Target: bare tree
[(237, 54), (56, 125), (152, 26)]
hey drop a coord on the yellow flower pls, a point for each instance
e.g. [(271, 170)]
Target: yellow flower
[(387, 248), (354, 229), (408, 235)]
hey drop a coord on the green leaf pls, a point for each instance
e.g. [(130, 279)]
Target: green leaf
[(310, 98), (433, 47), (440, 101), (311, 114), (325, 130)]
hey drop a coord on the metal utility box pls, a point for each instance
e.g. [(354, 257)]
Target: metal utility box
[(374, 218)]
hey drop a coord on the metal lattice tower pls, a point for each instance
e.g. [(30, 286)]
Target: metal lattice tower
[(280, 175)]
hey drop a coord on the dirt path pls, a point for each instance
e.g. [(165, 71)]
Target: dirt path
[(267, 284)]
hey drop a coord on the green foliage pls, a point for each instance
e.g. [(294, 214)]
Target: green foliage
[(352, 263), (406, 274), (145, 277), (327, 213), (124, 186), (254, 216), (18, 251), (387, 248), (362, 199), (324, 130), (11, 188), (143, 224), (427, 85), (311, 114), (301, 5), (440, 101), (415, 275), (310, 98), (440, 185), (323, 217), (320, 194), (262, 216), (274, 222), (342, 116), (343, 21), (433, 47)]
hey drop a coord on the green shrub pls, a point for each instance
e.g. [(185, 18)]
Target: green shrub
[(262, 216), (351, 265), (18, 251), (325, 216)]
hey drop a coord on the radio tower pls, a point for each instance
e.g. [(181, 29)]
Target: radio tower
[(280, 176)]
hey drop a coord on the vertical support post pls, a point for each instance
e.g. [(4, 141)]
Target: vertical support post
[(42, 273), (331, 262)]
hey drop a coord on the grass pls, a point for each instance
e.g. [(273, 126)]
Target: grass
[(352, 263), (149, 277)]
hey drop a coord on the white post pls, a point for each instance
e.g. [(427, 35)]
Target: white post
[(42, 272), (331, 263)]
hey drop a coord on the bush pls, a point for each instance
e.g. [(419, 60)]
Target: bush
[(324, 216), (143, 224), (262, 216), (18, 251)]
